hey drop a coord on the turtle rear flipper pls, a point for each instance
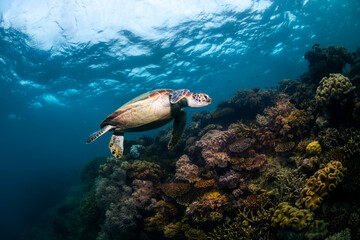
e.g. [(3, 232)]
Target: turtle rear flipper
[(97, 134), (116, 145), (178, 129)]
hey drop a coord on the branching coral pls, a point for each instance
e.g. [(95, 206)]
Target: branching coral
[(286, 216), (320, 184), (186, 171)]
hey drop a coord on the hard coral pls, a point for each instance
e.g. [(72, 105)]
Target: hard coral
[(320, 184), (165, 212), (229, 180), (251, 164), (286, 216), (213, 147), (142, 170), (204, 183), (240, 145), (143, 191), (207, 207), (284, 147), (334, 89), (186, 171), (313, 148), (175, 189)]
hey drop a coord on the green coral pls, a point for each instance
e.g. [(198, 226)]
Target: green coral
[(320, 184), (286, 216)]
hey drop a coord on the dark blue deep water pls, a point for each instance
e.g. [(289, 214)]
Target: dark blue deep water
[(66, 65)]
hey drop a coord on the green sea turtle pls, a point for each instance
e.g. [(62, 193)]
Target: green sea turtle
[(148, 111)]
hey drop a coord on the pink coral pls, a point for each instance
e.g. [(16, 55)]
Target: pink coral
[(143, 191), (186, 171), (213, 145)]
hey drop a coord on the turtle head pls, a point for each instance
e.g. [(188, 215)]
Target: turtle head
[(196, 100)]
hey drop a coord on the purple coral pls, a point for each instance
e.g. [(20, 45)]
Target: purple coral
[(229, 180)]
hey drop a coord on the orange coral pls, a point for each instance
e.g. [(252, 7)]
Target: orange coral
[(204, 183)]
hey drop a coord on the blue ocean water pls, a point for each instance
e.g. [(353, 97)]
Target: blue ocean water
[(66, 65)]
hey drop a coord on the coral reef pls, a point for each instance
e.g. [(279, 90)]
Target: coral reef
[(266, 164), (286, 216), (186, 171), (330, 59), (213, 147), (320, 184), (313, 148)]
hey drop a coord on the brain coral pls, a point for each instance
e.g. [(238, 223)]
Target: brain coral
[(320, 184), (333, 89), (287, 216)]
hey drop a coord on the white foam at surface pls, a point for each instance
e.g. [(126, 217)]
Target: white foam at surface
[(53, 23)]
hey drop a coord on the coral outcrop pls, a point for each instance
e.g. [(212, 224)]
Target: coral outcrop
[(286, 216), (320, 184)]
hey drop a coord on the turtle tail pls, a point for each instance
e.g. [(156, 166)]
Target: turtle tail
[(97, 134)]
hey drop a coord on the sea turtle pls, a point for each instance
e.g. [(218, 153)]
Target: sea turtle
[(148, 111)]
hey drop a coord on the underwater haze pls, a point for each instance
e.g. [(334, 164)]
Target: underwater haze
[(66, 65)]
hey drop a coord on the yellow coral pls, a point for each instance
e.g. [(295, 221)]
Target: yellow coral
[(320, 184), (313, 148), (214, 196), (287, 216)]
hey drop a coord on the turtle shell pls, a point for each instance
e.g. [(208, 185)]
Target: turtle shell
[(142, 97)]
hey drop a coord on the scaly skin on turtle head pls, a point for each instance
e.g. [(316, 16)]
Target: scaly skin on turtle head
[(196, 100)]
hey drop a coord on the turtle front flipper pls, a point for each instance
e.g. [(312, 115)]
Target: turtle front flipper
[(178, 129), (99, 133), (116, 145), (177, 95)]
